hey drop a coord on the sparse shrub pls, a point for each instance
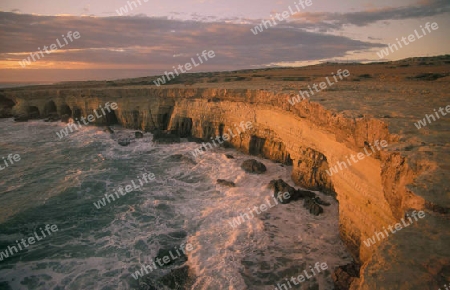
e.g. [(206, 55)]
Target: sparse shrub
[(291, 79), (428, 76)]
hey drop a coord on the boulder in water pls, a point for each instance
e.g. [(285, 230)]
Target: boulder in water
[(281, 186), (181, 157), (226, 182), (296, 194), (253, 166), (138, 135), (313, 207), (283, 197)]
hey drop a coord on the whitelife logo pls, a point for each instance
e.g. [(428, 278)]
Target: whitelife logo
[(225, 137), (165, 260), (53, 47), (280, 16), (385, 52), (10, 157), (102, 202), (371, 241), (187, 66), (31, 240), (301, 96), (360, 155), (65, 132), (124, 10), (423, 122)]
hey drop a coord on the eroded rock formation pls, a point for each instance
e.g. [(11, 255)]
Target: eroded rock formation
[(310, 137)]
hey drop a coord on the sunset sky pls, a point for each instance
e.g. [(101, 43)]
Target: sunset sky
[(156, 35)]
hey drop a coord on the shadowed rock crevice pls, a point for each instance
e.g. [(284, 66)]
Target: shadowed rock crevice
[(184, 127), (269, 147), (33, 112), (77, 113), (343, 276), (111, 118), (65, 110), (164, 116), (208, 130), (310, 171), (6, 106), (135, 119), (49, 109), (256, 146)]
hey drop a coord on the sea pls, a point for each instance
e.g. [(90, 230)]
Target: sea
[(57, 181)]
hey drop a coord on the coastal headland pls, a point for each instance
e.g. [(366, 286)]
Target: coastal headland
[(381, 101)]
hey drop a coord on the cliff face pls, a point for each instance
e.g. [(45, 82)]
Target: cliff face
[(372, 193)]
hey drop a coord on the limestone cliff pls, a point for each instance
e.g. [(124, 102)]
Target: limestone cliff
[(311, 137)]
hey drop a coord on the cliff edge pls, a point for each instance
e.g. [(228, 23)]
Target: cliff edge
[(376, 102)]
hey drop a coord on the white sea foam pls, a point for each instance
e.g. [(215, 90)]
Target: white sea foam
[(183, 198)]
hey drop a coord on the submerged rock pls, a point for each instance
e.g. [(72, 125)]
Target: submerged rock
[(109, 129), (280, 185), (253, 166), (312, 202), (124, 142), (138, 135), (313, 207), (171, 256), (177, 278), (226, 182), (176, 157), (283, 197), (181, 157), (52, 118), (21, 119), (65, 118), (165, 137)]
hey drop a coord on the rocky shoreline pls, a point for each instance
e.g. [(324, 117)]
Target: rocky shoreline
[(410, 174)]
